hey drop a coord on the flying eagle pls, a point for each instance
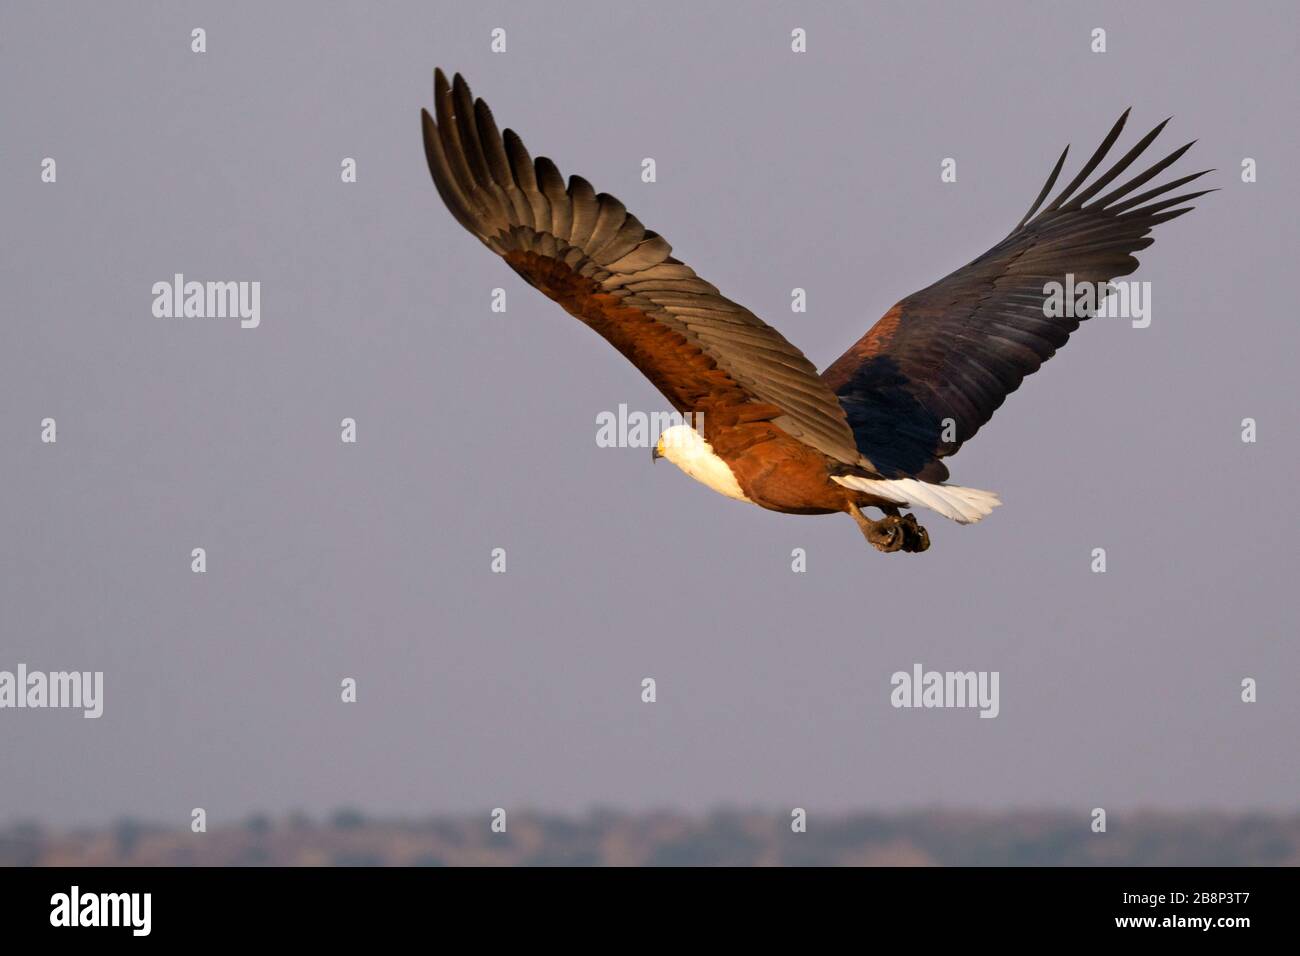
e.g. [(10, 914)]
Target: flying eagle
[(874, 428)]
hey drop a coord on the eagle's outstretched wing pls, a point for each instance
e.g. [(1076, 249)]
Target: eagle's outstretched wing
[(950, 354), (705, 353)]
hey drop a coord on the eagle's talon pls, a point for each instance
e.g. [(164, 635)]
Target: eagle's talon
[(918, 539), (887, 534)]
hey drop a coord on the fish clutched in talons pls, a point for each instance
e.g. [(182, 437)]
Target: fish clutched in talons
[(893, 532)]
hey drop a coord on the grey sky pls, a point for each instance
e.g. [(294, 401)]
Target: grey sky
[(477, 430)]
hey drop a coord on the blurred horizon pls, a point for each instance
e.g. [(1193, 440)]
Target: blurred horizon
[(723, 836)]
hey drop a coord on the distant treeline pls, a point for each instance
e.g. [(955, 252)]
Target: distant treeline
[(725, 837)]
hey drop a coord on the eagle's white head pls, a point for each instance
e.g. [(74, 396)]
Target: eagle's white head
[(686, 448)]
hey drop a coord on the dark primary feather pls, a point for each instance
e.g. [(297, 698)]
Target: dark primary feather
[(955, 350), (516, 205)]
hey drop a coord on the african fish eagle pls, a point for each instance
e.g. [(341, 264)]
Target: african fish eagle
[(874, 428)]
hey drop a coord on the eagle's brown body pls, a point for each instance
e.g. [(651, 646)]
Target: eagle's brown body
[(873, 430), (774, 470)]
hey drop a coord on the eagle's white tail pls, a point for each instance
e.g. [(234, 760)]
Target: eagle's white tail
[(963, 505)]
